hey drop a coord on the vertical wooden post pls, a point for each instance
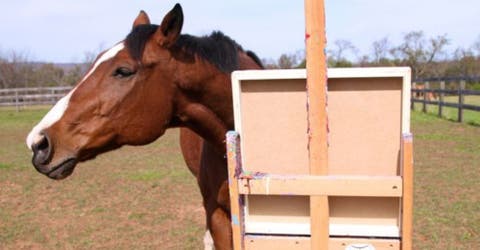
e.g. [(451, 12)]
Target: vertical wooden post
[(440, 99), (317, 116), (461, 100), (407, 199), (17, 108), (425, 93), (413, 94), (234, 169), (53, 99)]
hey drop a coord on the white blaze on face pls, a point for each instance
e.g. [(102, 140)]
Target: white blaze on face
[(56, 113)]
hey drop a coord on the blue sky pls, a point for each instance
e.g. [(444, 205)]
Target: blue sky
[(63, 30)]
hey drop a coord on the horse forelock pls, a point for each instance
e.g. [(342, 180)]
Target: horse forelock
[(138, 37)]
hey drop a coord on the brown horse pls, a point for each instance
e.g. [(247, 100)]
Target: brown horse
[(429, 95), (153, 80)]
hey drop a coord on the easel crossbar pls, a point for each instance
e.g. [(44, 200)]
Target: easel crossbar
[(330, 185)]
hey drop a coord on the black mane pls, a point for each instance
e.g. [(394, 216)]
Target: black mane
[(217, 48)]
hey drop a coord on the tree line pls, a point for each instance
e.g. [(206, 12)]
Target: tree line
[(17, 71), (427, 56)]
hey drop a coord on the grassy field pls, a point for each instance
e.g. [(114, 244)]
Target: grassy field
[(133, 198), (145, 198), (447, 184)]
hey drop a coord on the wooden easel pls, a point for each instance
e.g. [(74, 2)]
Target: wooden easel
[(318, 184)]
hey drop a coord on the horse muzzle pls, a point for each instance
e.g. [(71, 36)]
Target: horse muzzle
[(43, 153)]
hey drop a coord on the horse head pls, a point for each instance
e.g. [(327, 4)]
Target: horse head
[(126, 97)]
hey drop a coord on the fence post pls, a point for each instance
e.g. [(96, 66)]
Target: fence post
[(413, 95), (17, 108), (53, 99), (425, 87), (440, 99), (461, 100)]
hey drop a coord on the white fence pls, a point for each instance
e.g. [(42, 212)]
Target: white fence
[(20, 97)]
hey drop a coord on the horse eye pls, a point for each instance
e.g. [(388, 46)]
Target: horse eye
[(123, 72)]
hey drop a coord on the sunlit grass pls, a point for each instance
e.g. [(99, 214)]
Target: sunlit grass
[(447, 159), (469, 116)]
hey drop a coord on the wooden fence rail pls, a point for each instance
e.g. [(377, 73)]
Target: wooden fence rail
[(21, 97), (426, 93)]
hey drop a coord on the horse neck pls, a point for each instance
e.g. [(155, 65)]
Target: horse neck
[(204, 105)]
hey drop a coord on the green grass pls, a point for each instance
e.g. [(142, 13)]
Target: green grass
[(447, 197), (132, 198), (145, 198), (469, 116), (6, 166), (473, 100), (9, 118), (147, 175)]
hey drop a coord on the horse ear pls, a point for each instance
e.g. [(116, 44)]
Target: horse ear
[(169, 31), (142, 18)]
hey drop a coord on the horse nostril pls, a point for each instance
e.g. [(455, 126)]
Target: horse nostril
[(42, 150)]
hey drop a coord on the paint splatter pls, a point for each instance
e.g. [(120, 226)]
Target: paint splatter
[(249, 175), (235, 220)]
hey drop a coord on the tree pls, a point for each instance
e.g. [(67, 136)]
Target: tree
[(287, 61), (74, 75), (18, 71), (15, 70), (90, 56), (464, 63), (49, 75), (419, 54), (380, 52), (476, 47), (337, 55), (364, 61)]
